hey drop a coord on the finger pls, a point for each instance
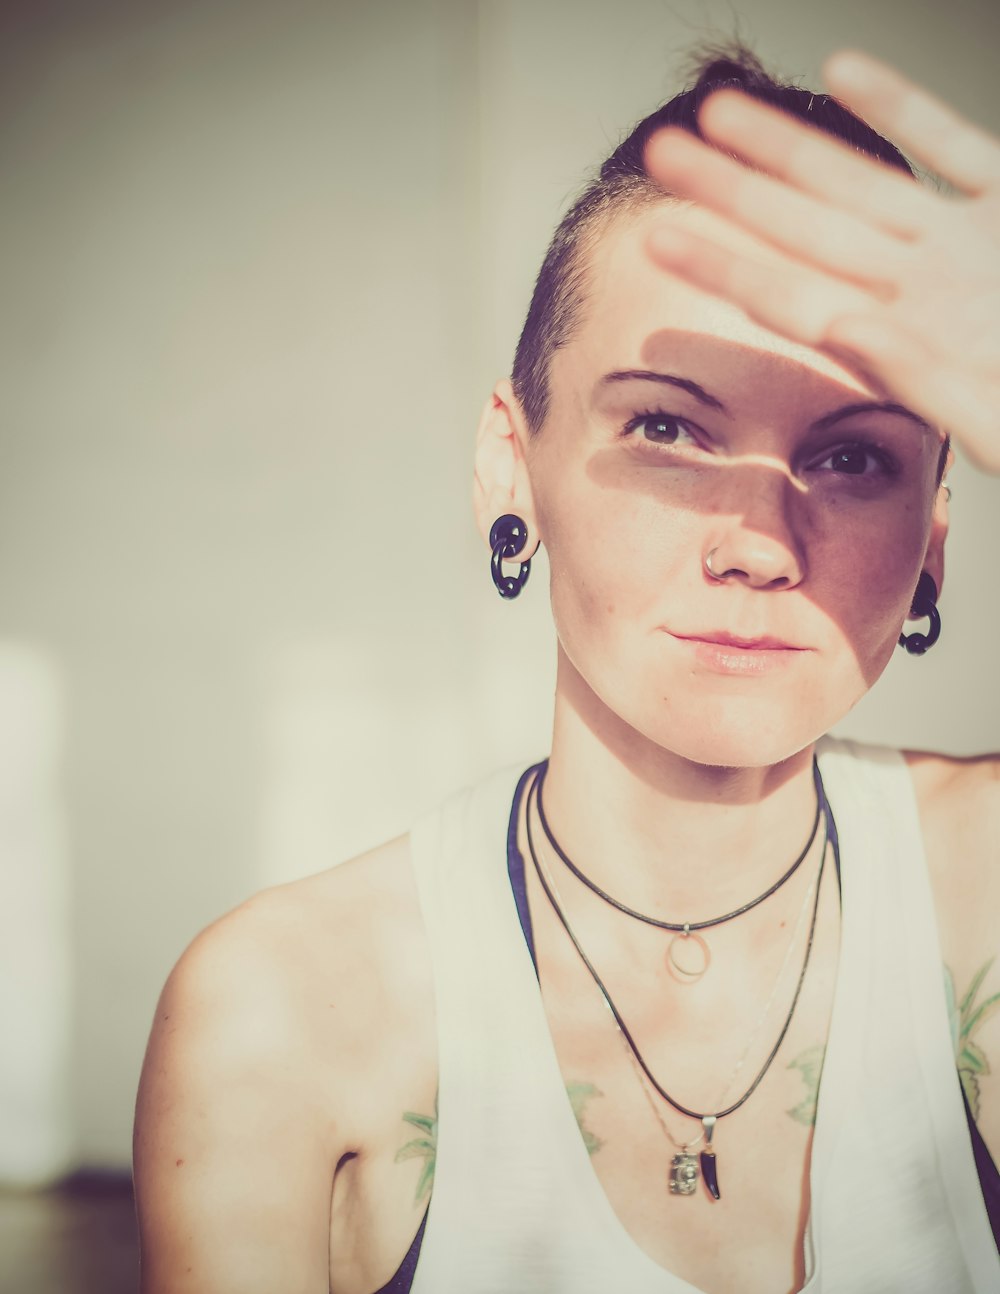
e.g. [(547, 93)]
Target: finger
[(790, 299), (875, 347), (840, 243), (815, 162), (960, 152), (904, 365)]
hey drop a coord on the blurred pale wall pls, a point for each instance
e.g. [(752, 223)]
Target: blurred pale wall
[(259, 265)]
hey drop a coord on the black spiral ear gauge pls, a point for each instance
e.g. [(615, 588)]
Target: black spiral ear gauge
[(924, 604), (508, 535)]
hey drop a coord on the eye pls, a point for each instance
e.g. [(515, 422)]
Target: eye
[(857, 459), (660, 429)]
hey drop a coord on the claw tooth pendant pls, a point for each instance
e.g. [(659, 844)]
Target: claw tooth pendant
[(685, 1165), (707, 1157)]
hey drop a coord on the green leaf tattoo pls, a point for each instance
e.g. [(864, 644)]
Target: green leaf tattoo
[(424, 1148), (809, 1063), (579, 1094), (965, 1018)]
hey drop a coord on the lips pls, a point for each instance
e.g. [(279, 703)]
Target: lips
[(723, 638)]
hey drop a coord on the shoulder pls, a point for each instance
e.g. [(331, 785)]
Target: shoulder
[(262, 977), (299, 972), (957, 798), (264, 1069), (959, 803)]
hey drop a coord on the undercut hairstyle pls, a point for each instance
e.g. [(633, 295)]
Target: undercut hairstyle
[(623, 186)]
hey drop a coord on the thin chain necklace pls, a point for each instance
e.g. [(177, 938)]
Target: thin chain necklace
[(687, 1169), (683, 1168), (685, 932)]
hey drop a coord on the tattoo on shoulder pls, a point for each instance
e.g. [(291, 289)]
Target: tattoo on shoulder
[(423, 1147), (579, 1094), (966, 1017), (809, 1063)]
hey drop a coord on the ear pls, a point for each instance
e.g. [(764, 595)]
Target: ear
[(934, 557), (501, 482)]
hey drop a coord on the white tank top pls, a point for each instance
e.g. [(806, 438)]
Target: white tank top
[(516, 1204)]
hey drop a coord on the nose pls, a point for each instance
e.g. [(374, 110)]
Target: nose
[(760, 545)]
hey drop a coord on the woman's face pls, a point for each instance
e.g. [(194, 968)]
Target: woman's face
[(677, 429)]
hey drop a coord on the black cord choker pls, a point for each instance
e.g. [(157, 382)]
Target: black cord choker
[(686, 932), (683, 1169)]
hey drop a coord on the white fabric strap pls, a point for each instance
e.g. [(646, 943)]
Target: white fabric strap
[(896, 1203)]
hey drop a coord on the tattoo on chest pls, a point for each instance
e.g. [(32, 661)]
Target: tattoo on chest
[(967, 1017), (423, 1147), (579, 1094), (809, 1063)]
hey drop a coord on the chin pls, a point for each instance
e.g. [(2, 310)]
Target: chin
[(730, 735), (718, 722), (737, 750)]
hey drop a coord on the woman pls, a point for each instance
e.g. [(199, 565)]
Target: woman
[(742, 501)]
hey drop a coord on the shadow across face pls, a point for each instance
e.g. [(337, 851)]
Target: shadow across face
[(735, 528)]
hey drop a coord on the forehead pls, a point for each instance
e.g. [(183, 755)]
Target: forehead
[(636, 315)]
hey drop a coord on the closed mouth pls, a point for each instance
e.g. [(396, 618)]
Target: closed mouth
[(722, 638)]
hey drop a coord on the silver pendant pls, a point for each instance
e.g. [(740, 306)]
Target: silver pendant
[(683, 1174), (679, 956)]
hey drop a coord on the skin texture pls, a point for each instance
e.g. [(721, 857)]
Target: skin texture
[(294, 1044)]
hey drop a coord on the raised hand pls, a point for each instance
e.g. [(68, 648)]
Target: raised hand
[(900, 283)]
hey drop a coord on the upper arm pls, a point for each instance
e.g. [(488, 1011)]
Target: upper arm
[(233, 1154), (960, 814)]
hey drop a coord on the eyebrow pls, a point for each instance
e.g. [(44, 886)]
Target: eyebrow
[(869, 406), (713, 402), (665, 379)]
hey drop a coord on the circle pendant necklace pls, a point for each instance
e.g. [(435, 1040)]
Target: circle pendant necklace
[(687, 938)]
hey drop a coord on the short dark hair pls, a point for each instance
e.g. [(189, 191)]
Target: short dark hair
[(622, 184)]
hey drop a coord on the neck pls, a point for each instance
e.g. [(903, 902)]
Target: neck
[(665, 834)]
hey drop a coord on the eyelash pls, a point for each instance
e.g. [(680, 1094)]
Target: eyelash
[(657, 415), (887, 465)]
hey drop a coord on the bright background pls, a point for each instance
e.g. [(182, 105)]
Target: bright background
[(259, 266)]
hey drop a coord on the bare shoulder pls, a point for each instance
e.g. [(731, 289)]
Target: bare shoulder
[(944, 777), (296, 973), (959, 802), (268, 1067)]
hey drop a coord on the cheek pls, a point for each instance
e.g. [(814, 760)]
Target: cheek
[(863, 576), (625, 556), (615, 559)]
